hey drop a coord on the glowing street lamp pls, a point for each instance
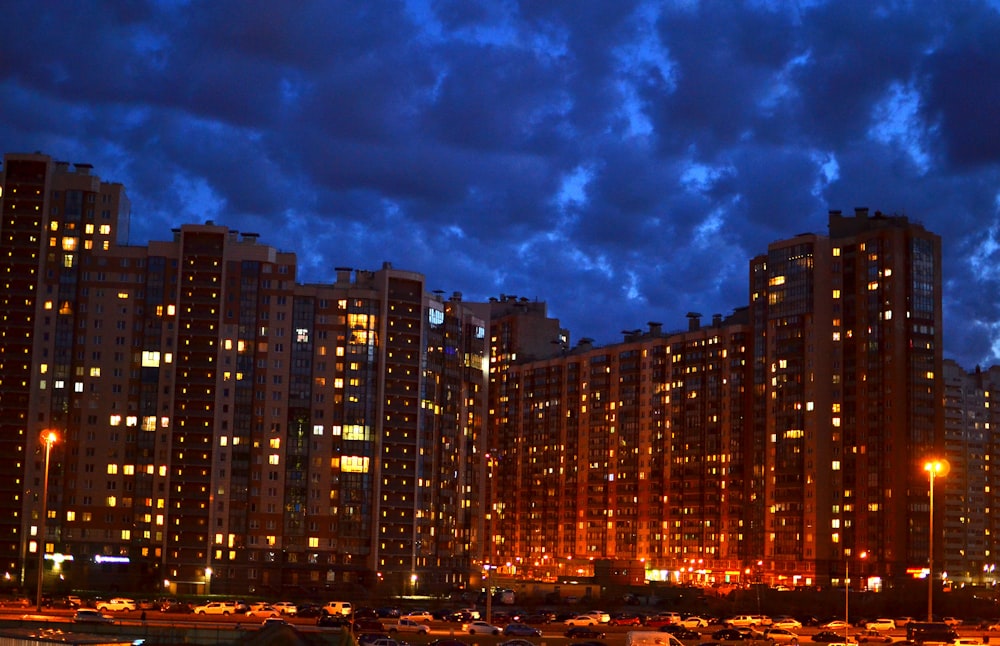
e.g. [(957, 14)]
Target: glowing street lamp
[(934, 469), (49, 438)]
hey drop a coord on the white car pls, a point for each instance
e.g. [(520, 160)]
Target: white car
[(836, 624), (118, 604), (781, 636), (223, 608), (881, 624), (286, 608), (419, 615), (482, 628), (263, 610), (788, 623), (405, 625), (694, 622), (582, 620), (601, 616)]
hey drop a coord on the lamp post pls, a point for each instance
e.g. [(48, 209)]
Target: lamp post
[(847, 595), (934, 468), (48, 438)]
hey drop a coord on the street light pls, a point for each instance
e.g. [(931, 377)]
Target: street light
[(847, 595), (939, 469), (49, 438)]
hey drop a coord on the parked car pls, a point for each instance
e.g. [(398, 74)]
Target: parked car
[(176, 608), (274, 621), (870, 635), (516, 642), (326, 620), (361, 625), (728, 635), (521, 630), (835, 624), (310, 610), (663, 619), (286, 608), (224, 608), (406, 625), (117, 604), (953, 622), (91, 616), (694, 621), (584, 632), (419, 615), (263, 610), (828, 637), (581, 620), (625, 619), (681, 632), (781, 636), (788, 623), (880, 624), (367, 639), (481, 628)]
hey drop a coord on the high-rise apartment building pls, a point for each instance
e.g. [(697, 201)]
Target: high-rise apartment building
[(631, 453), (223, 428), (968, 530), (847, 379)]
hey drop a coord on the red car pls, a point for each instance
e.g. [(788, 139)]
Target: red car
[(625, 620)]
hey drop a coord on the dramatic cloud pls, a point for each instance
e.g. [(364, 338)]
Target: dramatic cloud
[(622, 161)]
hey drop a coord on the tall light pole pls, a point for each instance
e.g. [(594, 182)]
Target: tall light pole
[(847, 595), (934, 468), (48, 438)]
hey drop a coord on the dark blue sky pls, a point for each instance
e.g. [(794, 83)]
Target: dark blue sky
[(620, 160)]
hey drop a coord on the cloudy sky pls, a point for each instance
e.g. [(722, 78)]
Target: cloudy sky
[(621, 160)]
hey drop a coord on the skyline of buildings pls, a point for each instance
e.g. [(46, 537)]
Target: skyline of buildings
[(224, 428)]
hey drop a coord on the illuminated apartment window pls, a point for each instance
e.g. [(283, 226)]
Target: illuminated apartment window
[(275, 443), (116, 420), (836, 293), (69, 244), (95, 372), (150, 359), (112, 469), (112, 501), (105, 229), (273, 459), (70, 516)]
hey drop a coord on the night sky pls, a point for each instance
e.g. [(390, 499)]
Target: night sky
[(621, 160)]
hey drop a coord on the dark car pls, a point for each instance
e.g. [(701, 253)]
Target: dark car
[(728, 635), (328, 620), (365, 612), (370, 638), (521, 630), (584, 632), (680, 632), (827, 636), (176, 608), (538, 618), (368, 626), (309, 611), (388, 612)]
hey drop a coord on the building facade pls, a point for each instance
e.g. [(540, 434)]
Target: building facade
[(223, 428)]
